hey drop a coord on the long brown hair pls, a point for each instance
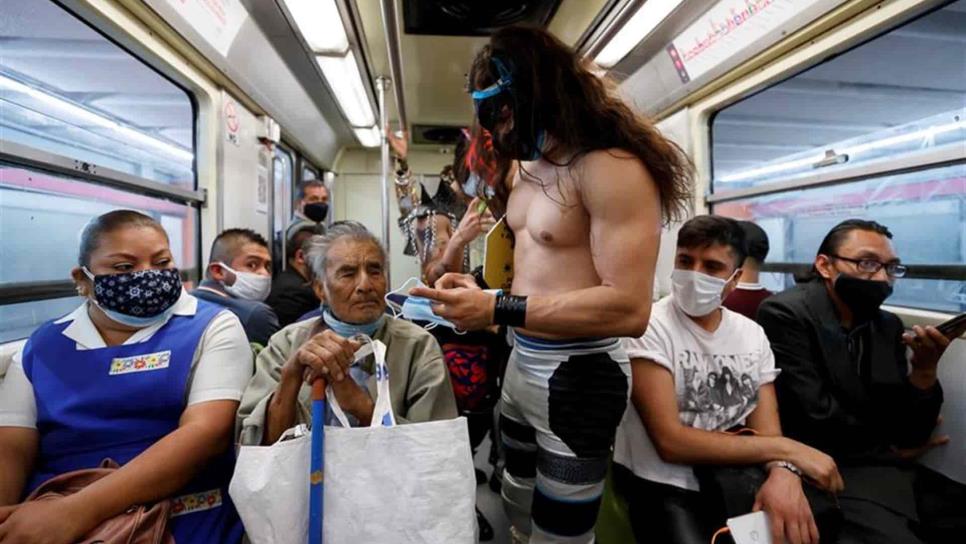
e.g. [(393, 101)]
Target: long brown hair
[(581, 111)]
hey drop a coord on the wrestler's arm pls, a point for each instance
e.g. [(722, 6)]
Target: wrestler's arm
[(625, 231)]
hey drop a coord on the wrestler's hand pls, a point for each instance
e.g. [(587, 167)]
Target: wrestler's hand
[(452, 280), (469, 308)]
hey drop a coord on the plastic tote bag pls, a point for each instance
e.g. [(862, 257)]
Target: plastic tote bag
[(384, 484)]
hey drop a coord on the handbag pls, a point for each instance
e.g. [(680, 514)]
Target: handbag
[(139, 524)]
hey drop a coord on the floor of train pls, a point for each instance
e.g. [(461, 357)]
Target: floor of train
[(489, 502)]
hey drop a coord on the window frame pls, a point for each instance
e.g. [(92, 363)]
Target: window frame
[(25, 156), (906, 12)]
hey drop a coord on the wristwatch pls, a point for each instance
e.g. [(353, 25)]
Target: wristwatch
[(789, 466)]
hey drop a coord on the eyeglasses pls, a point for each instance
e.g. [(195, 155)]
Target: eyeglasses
[(871, 266)]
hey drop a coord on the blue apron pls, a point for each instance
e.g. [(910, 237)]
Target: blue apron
[(116, 402)]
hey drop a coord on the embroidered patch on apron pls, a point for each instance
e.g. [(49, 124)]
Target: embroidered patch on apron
[(140, 363), (195, 502)]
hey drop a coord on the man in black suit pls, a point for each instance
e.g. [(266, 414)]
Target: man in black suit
[(847, 387)]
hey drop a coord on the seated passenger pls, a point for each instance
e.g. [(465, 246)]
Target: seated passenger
[(846, 385), (700, 369), (749, 293), (141, 373), (348, 263), (292, 294), (312, 208), (239, 278)]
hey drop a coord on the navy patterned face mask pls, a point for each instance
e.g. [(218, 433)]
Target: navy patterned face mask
[(137, 298)]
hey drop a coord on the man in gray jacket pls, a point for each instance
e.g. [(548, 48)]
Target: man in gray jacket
[(349, 266)]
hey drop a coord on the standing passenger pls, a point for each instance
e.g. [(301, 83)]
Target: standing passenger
[(142, 373), (586, 207), (749, 293), (313, 206), (239, 278)]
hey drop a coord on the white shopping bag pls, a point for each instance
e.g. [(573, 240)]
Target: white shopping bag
[(384, 484), (398, 484), (270, 489)]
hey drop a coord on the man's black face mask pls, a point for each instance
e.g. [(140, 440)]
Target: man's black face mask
[(862, 296), (316, 211)]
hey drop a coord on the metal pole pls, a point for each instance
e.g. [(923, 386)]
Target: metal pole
[(382, 84)]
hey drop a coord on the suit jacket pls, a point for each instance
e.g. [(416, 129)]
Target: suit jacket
[(825, 403)]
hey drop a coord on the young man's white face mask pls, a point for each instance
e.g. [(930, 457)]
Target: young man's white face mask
[(248, 285), (697, 294)]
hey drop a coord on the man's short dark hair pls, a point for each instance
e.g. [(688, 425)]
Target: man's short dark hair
[(708, 230), (756, 240), (298, 238), (227, 244), (836, 237), (310, 183)]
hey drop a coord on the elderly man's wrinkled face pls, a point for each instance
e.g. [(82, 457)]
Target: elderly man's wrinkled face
[(355, 281)]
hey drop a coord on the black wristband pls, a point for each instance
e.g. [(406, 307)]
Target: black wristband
[(510, 310)]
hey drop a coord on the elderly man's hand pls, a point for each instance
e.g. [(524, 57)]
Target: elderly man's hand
[(325, 355)]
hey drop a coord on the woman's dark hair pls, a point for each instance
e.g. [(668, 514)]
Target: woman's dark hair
[(836, 237), (707, 230), (580, 110), (90, 238)]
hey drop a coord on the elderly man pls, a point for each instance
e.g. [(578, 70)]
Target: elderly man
[(348, 265)]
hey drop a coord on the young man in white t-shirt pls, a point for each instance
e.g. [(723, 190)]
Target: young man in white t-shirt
[(700, 369)]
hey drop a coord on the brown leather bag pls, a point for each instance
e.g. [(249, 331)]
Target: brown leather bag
[(140, 524)]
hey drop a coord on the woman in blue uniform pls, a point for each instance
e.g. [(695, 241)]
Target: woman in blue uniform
[(142, 373)]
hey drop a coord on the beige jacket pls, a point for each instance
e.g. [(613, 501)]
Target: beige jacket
[(418, 379)]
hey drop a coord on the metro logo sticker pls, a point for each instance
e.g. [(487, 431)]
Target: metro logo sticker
[(195, 502), (140, 363)]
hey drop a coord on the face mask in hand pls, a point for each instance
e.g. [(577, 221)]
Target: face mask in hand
[(415, 308), (697, 294), (248, 286), (862, 296)]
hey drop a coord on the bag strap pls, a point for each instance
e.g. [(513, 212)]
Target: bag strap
[(382, 413)]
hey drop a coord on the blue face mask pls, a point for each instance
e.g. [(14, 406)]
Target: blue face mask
[(416, 308), (472, 185), (348, 330)]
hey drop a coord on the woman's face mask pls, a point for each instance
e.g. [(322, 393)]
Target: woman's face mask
[(137, 299)]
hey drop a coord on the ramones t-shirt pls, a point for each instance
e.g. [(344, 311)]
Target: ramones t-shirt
[(716, 379)]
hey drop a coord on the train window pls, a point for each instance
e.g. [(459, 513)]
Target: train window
[(67, 90), (898, 96), (309, 173), (875, 132), (284, 166), (41, 216)]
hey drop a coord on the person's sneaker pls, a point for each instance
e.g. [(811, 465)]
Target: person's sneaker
[(517, 537), (486, 530), (480, 477), (496, 482)]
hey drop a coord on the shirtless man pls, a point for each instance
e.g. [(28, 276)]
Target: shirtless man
[(586, 207)]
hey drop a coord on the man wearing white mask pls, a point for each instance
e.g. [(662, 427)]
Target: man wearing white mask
[(681, 368), (239, 277)]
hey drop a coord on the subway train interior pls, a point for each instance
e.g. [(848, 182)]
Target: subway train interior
[(208, 115)]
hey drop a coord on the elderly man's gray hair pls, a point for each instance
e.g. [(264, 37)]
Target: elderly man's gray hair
[(317, 253)]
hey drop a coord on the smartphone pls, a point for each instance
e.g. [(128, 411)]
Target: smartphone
[(750, 528), (953, 328)]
